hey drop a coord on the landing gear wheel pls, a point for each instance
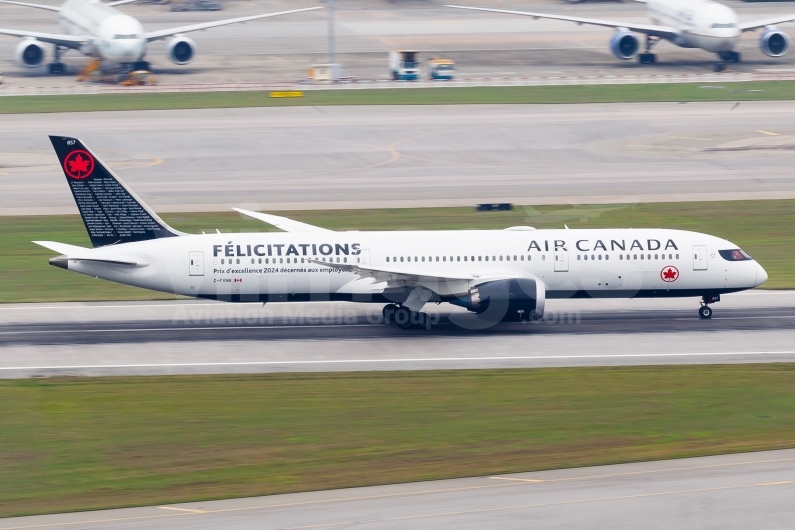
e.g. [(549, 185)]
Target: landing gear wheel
[(402, 318), (389, 312), (720, 66), (407, 319), (647, 58), (730, 57), (419, 320), (56, 68), (705, 312), (141, 65)]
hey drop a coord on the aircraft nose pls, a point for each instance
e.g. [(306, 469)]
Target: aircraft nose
[(761, 275)]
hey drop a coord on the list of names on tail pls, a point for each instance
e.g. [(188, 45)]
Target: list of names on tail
[(111, 212)]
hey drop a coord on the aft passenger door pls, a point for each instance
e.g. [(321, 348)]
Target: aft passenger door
[(196, 260), (700, 258)]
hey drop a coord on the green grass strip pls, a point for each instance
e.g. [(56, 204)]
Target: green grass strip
[(766, 229), (752, 91), (90, 443)]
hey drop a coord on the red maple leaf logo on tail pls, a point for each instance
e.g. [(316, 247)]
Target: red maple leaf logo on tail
[(78, 164), (669, 274)]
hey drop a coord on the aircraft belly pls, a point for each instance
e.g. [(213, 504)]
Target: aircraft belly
[(710, 43)]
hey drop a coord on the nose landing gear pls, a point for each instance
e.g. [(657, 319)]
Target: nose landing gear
[(705, 311), (727, 57), (730, 56)]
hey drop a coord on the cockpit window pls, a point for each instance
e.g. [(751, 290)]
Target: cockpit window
[(724, 26), (735, 254), (125, 37)]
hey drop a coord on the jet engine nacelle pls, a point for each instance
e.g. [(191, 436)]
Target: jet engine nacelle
[(181, 50), (30, 53), (774, 43), (625, 45), (512, 299)]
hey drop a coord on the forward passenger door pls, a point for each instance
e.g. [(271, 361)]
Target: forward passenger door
[(561, 261), (700, 258)]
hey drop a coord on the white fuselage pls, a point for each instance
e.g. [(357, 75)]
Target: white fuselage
[(118, 38), (278, 266), (703, 23)]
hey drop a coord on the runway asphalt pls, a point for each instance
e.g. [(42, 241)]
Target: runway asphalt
[(411, 156), (202, 337), (753, 490), (482, 44)]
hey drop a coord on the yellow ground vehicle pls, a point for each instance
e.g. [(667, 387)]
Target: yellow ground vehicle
[(138, 78), (93, 73)]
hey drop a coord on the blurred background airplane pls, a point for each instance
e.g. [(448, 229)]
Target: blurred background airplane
[(700, 24), (100, 30)]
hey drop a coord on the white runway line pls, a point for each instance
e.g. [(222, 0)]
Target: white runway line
[(210, 328), (400, 360), (300, 326)]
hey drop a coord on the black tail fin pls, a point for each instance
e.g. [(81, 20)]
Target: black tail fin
[(111, 212)]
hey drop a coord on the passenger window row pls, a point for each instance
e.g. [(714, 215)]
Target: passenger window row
[(443, 259), (628, 257)]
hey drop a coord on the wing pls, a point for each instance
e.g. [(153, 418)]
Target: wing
[(163, 33), (420, 285), (283, 223), (397, 276), (68, 41), (120, 3), (36, 6), (751, 26), (646, 29)]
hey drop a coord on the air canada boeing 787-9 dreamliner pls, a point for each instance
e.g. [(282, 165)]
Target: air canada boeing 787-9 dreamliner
[(502, 275)]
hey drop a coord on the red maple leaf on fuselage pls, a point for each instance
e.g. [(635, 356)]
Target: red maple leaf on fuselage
[(78, 165), (670, 274)]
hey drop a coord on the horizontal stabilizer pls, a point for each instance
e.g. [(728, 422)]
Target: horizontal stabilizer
[(63, 248), (283, 223), (124, 262), (75, 253)]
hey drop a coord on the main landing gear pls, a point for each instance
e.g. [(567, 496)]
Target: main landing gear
[(727, 57), (705, 311), (647, 57), (57, 68), (405, 318)]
